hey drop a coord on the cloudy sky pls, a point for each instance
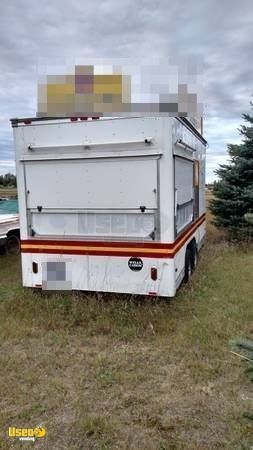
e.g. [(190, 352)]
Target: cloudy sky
[(216, 33)]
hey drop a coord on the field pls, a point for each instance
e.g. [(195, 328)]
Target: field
[(8, 192), (107, 372)]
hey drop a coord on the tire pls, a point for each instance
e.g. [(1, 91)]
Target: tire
[(194, 257), (13, 245), (2, 249), (188, 265)]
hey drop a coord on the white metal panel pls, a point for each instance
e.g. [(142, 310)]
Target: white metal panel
[(107, 274), (184, 216), (108, 183), (183, 193), (181, 132), (94, 224), (166, 189), (202, 180), (63, 136), (183, 180)]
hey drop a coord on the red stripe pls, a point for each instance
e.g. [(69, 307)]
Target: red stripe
[(99, 244)]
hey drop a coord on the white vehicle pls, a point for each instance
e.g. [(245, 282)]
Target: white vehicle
[(9, 233), (112, 205)]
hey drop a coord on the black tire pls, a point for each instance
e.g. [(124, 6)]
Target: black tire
[(188, 265), (2, 250), (13, 245), (194, 257)]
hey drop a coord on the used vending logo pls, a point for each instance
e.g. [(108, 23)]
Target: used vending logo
[(27, 434)]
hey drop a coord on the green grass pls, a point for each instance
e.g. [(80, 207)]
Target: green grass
[(106, 371)]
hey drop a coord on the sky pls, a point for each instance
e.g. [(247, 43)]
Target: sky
[(215, 33)]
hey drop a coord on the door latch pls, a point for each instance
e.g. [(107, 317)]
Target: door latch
[(152, 235)]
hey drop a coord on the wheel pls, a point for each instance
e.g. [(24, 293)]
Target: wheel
[(2, 250), (188, 265), (13, 244), (194, 257)]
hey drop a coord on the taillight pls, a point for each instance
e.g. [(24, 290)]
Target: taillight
[(35, 267), (153, 273)]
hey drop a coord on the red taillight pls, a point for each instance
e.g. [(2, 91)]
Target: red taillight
[(73, 119), (153, 273)]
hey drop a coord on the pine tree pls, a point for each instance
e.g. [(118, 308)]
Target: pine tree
[(232, 205)]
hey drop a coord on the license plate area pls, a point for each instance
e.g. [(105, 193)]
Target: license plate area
[(56, 275)]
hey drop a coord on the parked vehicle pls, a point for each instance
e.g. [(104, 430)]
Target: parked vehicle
[(9, 226), (113, 204)]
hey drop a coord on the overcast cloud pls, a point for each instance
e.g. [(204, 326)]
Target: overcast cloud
[(216, 33)]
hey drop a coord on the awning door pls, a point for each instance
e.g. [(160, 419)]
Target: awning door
[(106, 197)]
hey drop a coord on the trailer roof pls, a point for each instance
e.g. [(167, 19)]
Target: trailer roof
[(29, 120)]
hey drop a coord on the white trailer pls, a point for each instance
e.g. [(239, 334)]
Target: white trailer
[(112, 204)]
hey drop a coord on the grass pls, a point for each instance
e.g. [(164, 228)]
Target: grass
[(122, 372)]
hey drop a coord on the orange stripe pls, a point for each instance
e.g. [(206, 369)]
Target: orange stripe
[(89, 248)]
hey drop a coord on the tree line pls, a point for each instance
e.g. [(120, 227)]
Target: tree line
[(8, 180)]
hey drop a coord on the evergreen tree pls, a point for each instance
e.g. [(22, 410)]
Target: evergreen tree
[(232, 205)]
